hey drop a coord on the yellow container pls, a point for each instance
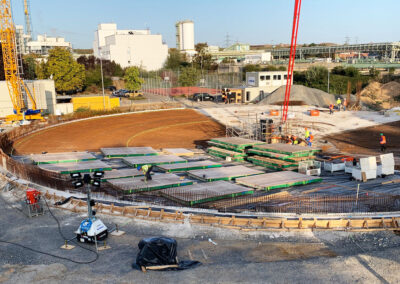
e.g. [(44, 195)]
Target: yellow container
[(95, 103)]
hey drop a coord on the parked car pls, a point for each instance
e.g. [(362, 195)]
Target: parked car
[(120, 93), (201, 97), (111, 88)]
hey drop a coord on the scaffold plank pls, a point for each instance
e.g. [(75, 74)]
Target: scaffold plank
[(205, 192)]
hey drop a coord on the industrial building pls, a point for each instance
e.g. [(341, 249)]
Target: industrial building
[(260, 84), (41, 45), (130, 47), (185, 37)]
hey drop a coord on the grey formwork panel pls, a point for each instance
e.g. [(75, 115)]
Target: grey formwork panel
[(182, 167), (124, 173), (120, 152), (82, 167), (66, 157), (205, 192), (224, 173), (159, 181), (153, 160), (276, 180)]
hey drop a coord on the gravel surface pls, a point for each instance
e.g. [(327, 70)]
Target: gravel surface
[(237, 257)]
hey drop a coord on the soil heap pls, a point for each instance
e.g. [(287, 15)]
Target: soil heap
[(300, 95), (381, 95)]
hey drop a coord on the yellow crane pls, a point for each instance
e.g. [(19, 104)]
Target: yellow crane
[(17, 89)]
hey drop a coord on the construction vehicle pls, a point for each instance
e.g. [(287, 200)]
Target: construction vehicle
[(231, 95), (19, 93)]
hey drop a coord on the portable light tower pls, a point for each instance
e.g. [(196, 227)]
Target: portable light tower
[(91, 229)]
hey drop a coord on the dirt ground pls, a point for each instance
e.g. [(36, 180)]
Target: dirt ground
[(366, 140), (174, 128)]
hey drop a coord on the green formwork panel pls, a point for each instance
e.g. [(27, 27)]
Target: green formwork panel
[(154, 164), (65, 161), (292, 184), (239, 159), (224, 146), (288, 158), (215, 179), (273, 164), (107, 179), (292, 154), (193, 168), (130, 155), (144, 189), (238, 147), (226, 154)]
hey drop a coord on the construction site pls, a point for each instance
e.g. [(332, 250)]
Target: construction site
[(293, 186)]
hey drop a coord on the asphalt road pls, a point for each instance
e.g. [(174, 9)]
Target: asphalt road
[(235, 258)]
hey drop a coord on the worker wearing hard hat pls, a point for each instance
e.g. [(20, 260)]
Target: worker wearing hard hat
[(331, 109), (382, 141), (307, 133), (146, 169), (339, 103)]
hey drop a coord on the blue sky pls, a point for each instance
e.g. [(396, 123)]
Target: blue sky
[(249, 21)]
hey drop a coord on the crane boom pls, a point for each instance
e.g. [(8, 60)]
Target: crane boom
[(16, 86), (293, 44), (28, 27)]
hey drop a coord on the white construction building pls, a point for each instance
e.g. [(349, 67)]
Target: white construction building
[(185, 36), (130, 47), (260, 84)]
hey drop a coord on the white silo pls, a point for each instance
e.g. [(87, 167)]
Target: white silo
[(185, 35)]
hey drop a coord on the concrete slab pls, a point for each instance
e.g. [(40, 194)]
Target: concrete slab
[(159, 181), (81, 167), (120, 152), (225, 173), (183, 167), (205, 192), (153, 160), (277, 180), (124, 173), (66, 157), (178, 151)]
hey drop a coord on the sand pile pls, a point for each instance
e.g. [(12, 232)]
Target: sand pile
[(381, 95), (300, 95)]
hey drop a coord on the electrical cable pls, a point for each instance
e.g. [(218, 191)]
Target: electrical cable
[(62, 235)]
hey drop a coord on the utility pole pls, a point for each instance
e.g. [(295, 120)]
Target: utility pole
[(102, 79)]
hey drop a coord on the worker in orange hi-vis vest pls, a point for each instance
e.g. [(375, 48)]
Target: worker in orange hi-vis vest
[(382, 141), (331, 108)]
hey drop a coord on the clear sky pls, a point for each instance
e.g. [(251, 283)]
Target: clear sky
[(248, 21)]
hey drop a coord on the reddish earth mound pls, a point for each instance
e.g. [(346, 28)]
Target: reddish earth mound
[(366, 140), (161, 129)]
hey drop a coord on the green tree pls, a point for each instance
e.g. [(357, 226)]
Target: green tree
[(352, 72), (175, 60), (391, 70), (41, 70), (93, 77), (189, 77), (29, 67), (132, 79), (68, 75), (202, 59), (316, 75)]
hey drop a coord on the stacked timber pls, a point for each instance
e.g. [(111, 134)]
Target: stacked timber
[(281, 156), (232, 147)]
